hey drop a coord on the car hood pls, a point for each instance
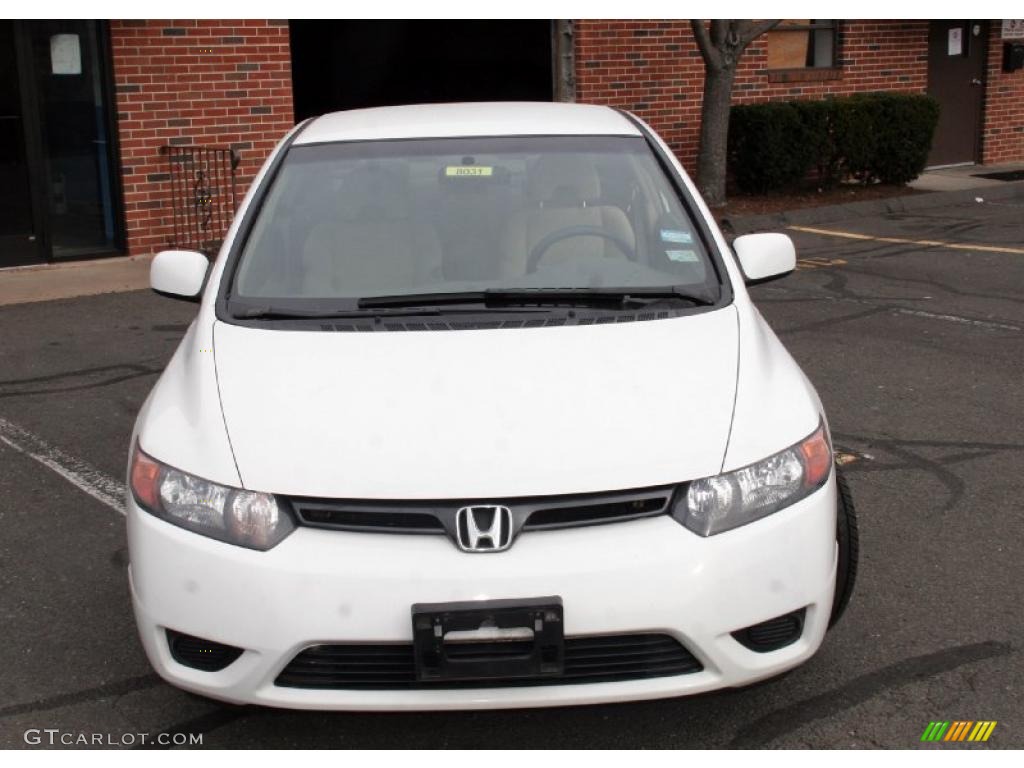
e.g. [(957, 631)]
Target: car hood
[(481, 413)]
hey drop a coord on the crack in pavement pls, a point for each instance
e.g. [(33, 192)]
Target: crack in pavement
[(80, 371), (134, 371), (172, 327), (907, 279), (944, 287), (954, 484), (837, 286), (830, 321), (117, 688), (788, 719), (203, 724), (874, 251)]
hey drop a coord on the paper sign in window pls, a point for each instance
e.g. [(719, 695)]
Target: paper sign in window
[(65, 55), (468, 170), (956, 42)]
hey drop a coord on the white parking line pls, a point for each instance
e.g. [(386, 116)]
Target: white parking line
[(97, 484), (957, 319), (909, 241)]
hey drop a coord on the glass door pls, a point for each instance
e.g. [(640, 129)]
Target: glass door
[(70, 79), (18, 226)]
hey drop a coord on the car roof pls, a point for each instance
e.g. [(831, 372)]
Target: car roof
[(470, 119)]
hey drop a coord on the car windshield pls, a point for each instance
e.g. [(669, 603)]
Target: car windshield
[(357, 220)]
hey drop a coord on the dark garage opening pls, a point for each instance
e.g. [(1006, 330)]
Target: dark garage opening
[(351, 64)]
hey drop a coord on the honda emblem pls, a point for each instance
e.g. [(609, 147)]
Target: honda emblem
[(483, 528)]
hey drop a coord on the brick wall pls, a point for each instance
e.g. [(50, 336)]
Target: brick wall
[(1003, 134), (207, 82), (654, 68), (228, 83)]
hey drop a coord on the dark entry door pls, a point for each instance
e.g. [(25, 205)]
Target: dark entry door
[(348, 64), (18, 244), (68, 67), (58, 197), (956, 72)]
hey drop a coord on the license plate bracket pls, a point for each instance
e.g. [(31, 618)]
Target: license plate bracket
[(540, 655)]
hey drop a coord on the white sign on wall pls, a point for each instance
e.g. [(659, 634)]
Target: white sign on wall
[(1013, 29)]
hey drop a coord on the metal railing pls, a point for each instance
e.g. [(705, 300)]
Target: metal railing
[(203, 195)]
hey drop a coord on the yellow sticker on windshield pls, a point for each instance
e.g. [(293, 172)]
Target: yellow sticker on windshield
[(468, 170)]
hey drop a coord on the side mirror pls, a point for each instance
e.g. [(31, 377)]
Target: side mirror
[(765, 256), (179, 274)]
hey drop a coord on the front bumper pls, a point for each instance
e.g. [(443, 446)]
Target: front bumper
[(318, 586)]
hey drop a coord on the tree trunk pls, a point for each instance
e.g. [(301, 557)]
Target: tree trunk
[(721, 48), (714, 133)]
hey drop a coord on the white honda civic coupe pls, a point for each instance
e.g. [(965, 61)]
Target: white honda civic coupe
[(476, 412)]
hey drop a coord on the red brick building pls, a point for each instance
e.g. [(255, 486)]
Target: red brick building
[(103, 113), (200, 83)]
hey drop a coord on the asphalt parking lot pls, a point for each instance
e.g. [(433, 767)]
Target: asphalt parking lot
[(917, 351)]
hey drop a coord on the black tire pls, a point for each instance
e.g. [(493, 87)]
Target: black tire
[(848, 541)]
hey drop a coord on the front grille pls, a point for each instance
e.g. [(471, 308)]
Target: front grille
[(382, 667), (201, 654), (593, 514), (364, 520), (438, 517), (773, 634)]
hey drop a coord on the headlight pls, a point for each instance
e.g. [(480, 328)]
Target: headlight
[(245, 518), (715, 504)]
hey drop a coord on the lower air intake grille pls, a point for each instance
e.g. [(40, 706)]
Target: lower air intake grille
[(773, 634), (597, 659), (200, 654)]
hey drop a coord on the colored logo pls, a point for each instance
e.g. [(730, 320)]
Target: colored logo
[(959, 730)]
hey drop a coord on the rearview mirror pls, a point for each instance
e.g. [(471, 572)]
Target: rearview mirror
[(179, 274), (765, 256)]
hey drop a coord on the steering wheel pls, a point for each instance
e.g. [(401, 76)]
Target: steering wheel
[(581, 231)]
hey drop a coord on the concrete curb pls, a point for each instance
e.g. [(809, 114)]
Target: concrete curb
[(741, 225), (46, 282)]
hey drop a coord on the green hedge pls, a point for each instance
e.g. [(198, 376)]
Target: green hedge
[(768, 146), (869, 137)]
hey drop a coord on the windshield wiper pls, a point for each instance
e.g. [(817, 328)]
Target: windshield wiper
[(274, 313), (422, 299), (414, 309), (492, 297), (604, 297)]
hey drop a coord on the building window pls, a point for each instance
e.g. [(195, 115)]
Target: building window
[(803, 44)]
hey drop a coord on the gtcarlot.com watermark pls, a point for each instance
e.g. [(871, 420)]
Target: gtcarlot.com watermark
[(55, 737)]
